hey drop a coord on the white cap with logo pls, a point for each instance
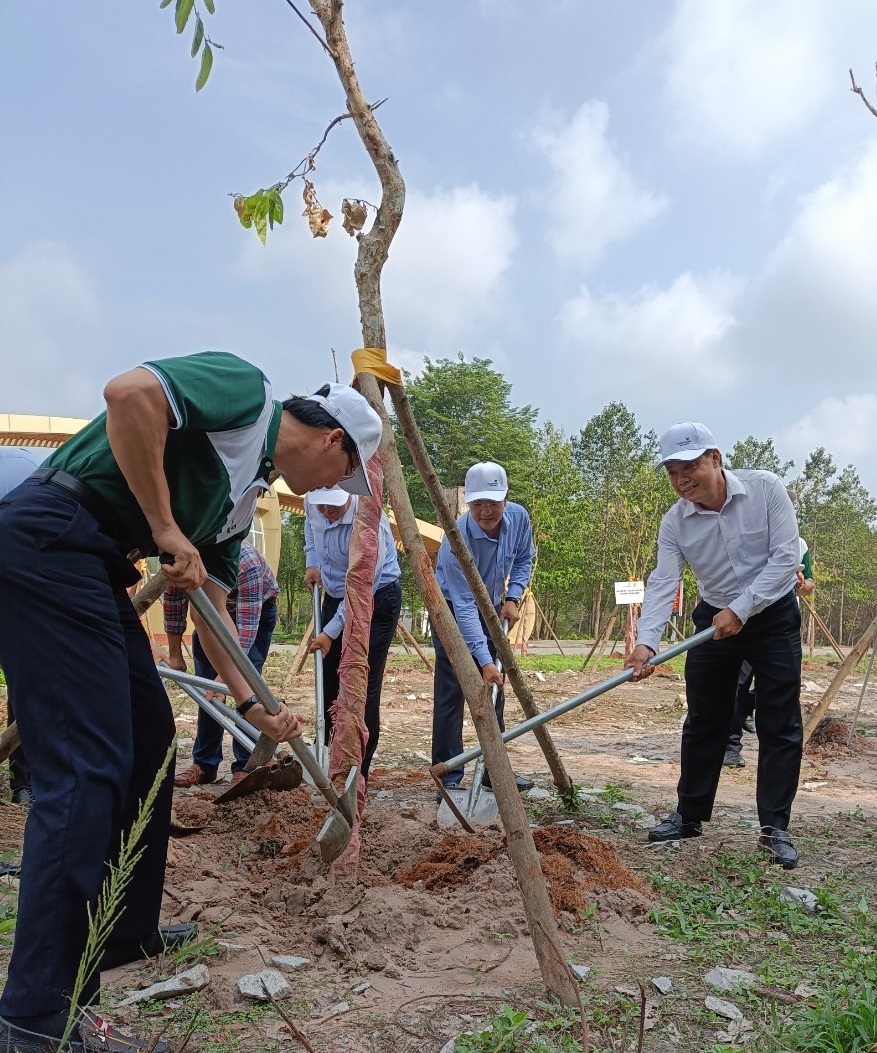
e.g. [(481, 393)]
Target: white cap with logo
[(686, 442), (333, 496), (486, 481), (361, 423)]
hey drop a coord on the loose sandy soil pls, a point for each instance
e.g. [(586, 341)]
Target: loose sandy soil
[(433, 937)]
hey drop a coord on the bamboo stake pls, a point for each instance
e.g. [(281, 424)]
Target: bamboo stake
[(833, 689), (413, 641), (548, 625), (824, 628), (601, 643), (300, 656)]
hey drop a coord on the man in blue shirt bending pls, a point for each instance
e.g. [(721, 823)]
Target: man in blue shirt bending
[(329, 518), (498, 534)]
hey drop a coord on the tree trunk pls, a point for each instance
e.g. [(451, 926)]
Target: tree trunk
[(833, 689), (373, 250)]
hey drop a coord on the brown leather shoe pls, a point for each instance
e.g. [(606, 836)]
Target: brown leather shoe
[(194, 775), (238, 776)]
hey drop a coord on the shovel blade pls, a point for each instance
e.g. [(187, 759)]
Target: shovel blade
[(484, 811), (282, 774), (334, 837)]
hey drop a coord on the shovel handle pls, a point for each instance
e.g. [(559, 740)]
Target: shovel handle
[(564, 707), (226, 640), (319, 684)]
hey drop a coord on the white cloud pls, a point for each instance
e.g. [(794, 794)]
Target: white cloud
[(443, 278), (591, 199), (845, 426), (667, 339), (48, 308), (742, 72)]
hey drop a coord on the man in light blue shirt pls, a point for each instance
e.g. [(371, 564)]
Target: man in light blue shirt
[(498, 534), (329, 516), (738, 533), (16, 464)]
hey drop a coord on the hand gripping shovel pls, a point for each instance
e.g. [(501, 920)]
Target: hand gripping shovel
[(280, 774), (478, 809), (438, 770), (335, 834)]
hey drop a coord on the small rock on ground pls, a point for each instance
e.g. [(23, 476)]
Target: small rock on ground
[(722, 1008), (254, 985)]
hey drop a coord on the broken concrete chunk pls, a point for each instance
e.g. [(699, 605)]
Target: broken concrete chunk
[(729, 979), (184, 983), (581, 972), (722, 1008), (289, 962), (631, 809), (538, 794), (663, 983), (799, 895), (254, 985)]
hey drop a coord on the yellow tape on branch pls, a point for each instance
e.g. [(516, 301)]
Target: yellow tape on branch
[(374, 360)]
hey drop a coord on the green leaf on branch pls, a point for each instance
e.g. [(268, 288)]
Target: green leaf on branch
[(210, 6), (262, 228), (198, 38), (183, 10), (164, 4), (206, 67)]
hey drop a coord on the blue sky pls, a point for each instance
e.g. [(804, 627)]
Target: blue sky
[(672, 205)]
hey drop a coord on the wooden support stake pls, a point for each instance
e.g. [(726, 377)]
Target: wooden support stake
[(548, 625), (601, 642), (404, 631), (824, 629), (833, 689)]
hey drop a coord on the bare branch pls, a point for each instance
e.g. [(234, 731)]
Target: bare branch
[(856, 90), (323, 43)]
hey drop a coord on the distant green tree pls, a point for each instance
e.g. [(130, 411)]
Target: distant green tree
[(758, 453), (464, 413), (294, 596)]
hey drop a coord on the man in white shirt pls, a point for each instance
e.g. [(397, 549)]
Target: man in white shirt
[(738, 533)]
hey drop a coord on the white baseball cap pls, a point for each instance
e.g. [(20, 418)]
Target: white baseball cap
[(330, 495), (361, 423), (486, 481), (686, 442)]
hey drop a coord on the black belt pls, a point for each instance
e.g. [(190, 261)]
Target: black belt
[(89, 499)]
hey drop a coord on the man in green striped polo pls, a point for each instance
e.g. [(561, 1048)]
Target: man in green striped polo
[(173, 466)]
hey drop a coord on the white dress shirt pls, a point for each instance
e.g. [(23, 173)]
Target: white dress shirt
[(744, 556)]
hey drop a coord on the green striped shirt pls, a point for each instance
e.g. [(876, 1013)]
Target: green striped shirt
[(217, 458)]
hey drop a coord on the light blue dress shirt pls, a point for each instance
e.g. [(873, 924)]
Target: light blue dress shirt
[(16, 464), (509, 557), (327, 546), (744, 557)]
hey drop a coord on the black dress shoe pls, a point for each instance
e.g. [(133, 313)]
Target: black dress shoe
[(674, 829), (780, 846), (733, 759), (100, 1037), (521, 783), (23, 796), (166, 940)]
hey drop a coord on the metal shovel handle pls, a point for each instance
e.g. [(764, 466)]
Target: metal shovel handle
[(319, 684), (223, 715), (578, 700), (213, 620)]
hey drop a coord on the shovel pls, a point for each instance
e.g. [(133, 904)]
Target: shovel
[(476, 809), (321, 754), (280, 774), (438, 770), (336, 832)]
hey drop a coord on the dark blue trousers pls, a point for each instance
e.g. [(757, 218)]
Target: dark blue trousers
[(385, 617), (771, 643), (95, 723), (449, 704), (207, 751)]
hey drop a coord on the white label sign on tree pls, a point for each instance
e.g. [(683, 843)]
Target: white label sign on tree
[(629, 591)]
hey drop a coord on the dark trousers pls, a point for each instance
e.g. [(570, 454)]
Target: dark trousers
[(744, 706), (207, 751), (771, 643), (96, 724), (449, 704), (385, 618), (19, 769)]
